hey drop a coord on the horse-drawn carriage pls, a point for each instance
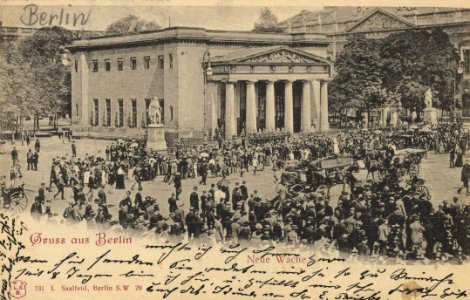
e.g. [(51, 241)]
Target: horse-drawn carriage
[(319, 174), (14, 199), (409, 159)]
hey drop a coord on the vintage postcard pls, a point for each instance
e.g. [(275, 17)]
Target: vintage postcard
[(236, 149)]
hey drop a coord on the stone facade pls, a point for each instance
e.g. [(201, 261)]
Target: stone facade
[(114, 78), (340, 22)]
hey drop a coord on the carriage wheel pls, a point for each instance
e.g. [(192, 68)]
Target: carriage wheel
[(424, 190), (19, 201)]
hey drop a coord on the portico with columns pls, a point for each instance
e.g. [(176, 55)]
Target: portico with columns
[(269, 89)]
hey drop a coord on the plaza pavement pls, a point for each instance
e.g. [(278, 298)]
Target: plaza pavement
[(441, 181)]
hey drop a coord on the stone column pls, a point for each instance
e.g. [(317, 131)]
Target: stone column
[(288, 107), (306, 117), (250, 108), (230, 128), (394, 118), (324, 123), (385, 111), (85, 116), (316, 103), (270, 107)]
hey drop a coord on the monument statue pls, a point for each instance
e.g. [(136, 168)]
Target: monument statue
[(155, 131), (430, 113), (155, 112), (428, 99)]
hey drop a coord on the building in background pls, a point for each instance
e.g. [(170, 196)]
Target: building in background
[(10, 33), (338, 23)]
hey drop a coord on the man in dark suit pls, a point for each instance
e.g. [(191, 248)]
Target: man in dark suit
[(42, 193), (194, 199), (465, 177), (178, 185)]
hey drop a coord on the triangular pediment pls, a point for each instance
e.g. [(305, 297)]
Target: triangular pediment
[(272, 55), (379, 20)]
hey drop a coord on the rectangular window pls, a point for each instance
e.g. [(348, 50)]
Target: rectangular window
[(96, 113), (107, 65), (95, 65), (147, 62), (120, 64), (107, 121), (147, 116), (120, 113), (76, 65), (466, 61), (170, 60), (161, 61), (133, 63), (162, 105), (133, 119)]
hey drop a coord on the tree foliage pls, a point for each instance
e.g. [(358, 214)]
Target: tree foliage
[(32, 77), (417, 60), (52, 82), (131, 24), (358, 82), (401, 67), (267, 22)]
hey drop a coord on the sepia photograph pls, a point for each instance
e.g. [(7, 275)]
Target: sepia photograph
[(240, 150)]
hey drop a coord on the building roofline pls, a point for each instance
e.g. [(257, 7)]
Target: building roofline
[(198, 34), (380, 10), (417, 27)]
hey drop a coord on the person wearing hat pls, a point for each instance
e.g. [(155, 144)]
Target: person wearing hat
[(36, 209), (417, 233), (42, 193), (178, 185), (465, 177), (194, 199), (192, 223), (257, 234)]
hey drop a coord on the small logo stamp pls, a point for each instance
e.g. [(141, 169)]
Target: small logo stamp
[(18, 289)]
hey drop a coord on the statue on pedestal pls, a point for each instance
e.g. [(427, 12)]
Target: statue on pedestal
[(428, 99), (155, 112), (430, 114)]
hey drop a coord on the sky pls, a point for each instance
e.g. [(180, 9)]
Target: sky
[(210, 17)]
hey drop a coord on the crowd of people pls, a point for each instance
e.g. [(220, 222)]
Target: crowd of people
[(391, 216)]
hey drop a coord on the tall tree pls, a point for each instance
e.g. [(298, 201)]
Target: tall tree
[(401, 67), (52, 80), (17, 94), (131, 24), (417, 60), (267, 22), (358, 80)]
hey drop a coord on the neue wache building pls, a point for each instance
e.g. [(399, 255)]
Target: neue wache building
[(206, 81)]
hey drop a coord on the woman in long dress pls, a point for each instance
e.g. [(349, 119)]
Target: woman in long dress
[(120, 174), (459, 157)]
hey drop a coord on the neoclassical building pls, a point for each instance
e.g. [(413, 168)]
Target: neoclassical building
[(340, 22), (207, 81)]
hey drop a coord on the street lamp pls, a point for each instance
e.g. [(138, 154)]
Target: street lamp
[(207, 71)]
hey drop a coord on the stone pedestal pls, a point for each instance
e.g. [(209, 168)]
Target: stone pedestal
[(156, 138), (430, 116)]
